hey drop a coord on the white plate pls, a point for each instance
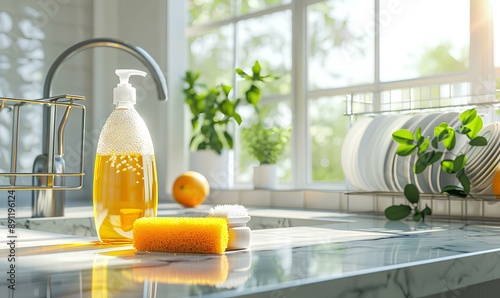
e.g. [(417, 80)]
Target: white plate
[(399, 171), (377, 156), (389, 146), (350, 151), (426, 179), (482, 177), (479, 157), (423, 124), (439, 177), (366, 164)]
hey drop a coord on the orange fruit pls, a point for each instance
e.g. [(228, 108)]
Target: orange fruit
[(496, 185), (190, 189)]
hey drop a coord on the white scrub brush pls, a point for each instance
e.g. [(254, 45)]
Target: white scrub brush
[(236, 215)]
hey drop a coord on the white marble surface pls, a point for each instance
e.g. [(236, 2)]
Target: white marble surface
[(294, 253)]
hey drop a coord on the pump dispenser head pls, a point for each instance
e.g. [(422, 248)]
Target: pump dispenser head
[(124, 92)]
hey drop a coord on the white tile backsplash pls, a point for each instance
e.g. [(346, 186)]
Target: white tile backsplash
[(492, 209), (255, 198), (474, 208), (223, 197), (361, 203), (371, 203), (323, 200), (287, 199), (383, 202)]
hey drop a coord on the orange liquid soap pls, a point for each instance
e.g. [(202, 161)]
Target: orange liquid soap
[(125, 189)]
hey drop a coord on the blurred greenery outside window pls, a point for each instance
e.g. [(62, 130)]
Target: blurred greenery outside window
[(378, 56)]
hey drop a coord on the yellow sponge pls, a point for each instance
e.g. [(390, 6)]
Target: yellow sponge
[(181, 234)]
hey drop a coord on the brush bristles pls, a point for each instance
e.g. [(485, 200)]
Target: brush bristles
[(227, 210)]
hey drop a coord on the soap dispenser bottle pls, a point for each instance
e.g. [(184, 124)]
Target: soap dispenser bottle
[(125, 179)]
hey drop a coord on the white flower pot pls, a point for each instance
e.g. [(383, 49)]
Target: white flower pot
[(218, 169), (265, 176)]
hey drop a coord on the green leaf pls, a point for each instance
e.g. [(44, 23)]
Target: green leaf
[(454, 190), (448, 166), (419, 166), (424, 146), (417, 216), (192, 141), (397, 212), (194, 123), (403, 136), (256, 69), (427, 210), (468, 116), (229, 139), (464, 130), (450, 140), (464, 180), (478, 141), (459, 163), (426, 159), (243, 74), (420, 141), (411, 193), (438, 130), (226, 89), (405, 150), (435, 144), (459, 193), (475, 127), (253, 95), (418, 133), (227, 107), (437, 156), (237, 118), (448, 188)]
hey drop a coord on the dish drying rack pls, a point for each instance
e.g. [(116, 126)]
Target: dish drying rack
[(456, 96), (18, 172), (443, 97)]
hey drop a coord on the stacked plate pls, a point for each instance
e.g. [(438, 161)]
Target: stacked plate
[(483, 161), (370, 162)]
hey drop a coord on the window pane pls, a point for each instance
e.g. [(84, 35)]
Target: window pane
[(341, 43), (496, 30), (422, 38), (212, 54), (247, 6), (277, 115), (268, 39), (327, 130), (204, 11)]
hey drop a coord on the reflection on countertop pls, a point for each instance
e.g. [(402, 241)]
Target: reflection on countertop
[(293, 253)]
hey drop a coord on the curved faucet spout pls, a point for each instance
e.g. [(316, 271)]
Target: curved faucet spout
[(46, 202), (139, 53)]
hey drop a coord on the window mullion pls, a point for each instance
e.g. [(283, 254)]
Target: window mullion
[(301, 166), (481, 59), (376, 93)]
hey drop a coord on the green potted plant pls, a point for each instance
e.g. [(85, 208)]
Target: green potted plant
[(264, 141), (211, 113)]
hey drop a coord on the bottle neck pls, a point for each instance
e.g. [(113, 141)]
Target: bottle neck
[(124, 105)]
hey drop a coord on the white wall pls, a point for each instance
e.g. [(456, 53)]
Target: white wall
[(32, 34)]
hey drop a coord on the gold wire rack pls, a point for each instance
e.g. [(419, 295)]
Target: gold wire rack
[(33, 138)]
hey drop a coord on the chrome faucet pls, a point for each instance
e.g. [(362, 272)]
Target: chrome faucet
[(48, 203)]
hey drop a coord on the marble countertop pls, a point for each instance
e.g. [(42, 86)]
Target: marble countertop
[(294, 253)]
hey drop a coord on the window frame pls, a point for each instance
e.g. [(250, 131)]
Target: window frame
[(481, 72)]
